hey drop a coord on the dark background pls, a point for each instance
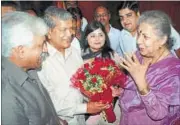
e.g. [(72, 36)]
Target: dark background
[(172, 8)]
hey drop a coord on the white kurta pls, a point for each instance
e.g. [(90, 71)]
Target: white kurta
[(55, 76)]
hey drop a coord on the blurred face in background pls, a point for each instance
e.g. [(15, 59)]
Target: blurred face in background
[(71, 3), (31, 12), (78, 28), (6, 9), (102, 15), (74, 26), (128, 20), (96, 40)]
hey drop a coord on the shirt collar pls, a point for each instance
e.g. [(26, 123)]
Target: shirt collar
[(110, 28), (53, 51), (17, 74), (127, 32)]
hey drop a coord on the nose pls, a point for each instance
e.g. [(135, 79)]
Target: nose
[(97, 37), (101, 17), (124, 20)]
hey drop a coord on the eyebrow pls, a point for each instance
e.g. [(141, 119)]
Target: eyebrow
[(126, 14), (144, 34)]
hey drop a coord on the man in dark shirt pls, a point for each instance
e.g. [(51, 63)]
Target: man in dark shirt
[(24, 99)]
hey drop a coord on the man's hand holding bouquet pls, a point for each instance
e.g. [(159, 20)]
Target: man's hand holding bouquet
[(95, 79)]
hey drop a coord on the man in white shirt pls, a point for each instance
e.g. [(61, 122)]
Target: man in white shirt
[(103, 15), (60, 65), (129, 15)]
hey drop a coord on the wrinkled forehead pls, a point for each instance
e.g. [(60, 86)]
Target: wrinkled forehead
[(126, 11), (59, 21), (6, 9), (64, 23), (101, 10)]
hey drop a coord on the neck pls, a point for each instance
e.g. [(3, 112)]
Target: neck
[(94, 50), (162, 54), (133, 33), (62, 50), (107, 28)]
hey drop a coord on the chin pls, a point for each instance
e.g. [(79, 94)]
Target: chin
[(67, 46), (143, 53), (38, 64)]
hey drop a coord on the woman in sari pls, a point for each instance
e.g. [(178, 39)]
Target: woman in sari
[(152, 93)]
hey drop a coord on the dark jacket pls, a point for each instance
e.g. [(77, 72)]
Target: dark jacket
[(24, 100)]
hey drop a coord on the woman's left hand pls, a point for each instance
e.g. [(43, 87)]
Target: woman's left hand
[(136, 70)]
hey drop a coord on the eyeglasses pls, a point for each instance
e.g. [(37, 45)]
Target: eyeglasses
[(101, 15)]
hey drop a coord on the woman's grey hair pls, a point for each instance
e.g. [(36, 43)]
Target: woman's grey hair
[(19, 28), (52, 13), (161, 23)]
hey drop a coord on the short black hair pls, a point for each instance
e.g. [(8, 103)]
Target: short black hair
[(75, 11), (132, 5)]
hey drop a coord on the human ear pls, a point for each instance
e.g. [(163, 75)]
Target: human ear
[(20, 51), (109, 15), (49, 34), (138, 14), (163, 40)]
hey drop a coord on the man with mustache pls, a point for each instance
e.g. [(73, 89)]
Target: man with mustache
[(103, 15), (60, 65), (24, 99)]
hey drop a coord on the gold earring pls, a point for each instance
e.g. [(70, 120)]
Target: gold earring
[(138, 13)]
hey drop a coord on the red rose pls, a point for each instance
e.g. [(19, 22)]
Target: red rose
[(94, 80), (103, 73), (86, 66), (81, 76), (94, 70)]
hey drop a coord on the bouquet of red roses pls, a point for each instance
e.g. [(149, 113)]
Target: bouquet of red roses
[(94, 80)]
